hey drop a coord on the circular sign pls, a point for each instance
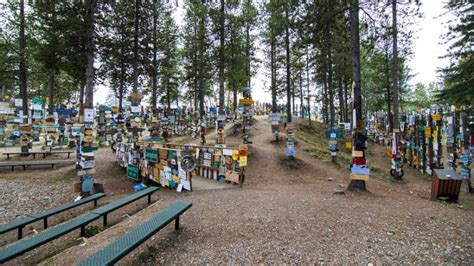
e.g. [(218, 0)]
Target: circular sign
[(188, 163)]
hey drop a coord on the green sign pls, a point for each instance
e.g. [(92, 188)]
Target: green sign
[(132, 172), (151, 155), (333, 135)]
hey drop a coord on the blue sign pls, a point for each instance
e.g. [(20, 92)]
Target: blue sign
[(63, 111)]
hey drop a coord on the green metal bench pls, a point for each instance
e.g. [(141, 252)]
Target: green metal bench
[(26, 245), (24, 164), (104, 210), (44, 215), (34, 153), (125, 244)]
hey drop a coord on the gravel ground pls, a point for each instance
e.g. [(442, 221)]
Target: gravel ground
[(281, 215)]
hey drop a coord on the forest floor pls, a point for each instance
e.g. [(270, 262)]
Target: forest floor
[(285, 212)]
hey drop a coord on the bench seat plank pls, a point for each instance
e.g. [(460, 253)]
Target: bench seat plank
[(20, 223), (26, 245), (122, 246), (124, 201), (68, 206)]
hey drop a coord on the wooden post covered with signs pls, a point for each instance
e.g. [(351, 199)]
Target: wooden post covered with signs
[(246, 102), (438, 119)]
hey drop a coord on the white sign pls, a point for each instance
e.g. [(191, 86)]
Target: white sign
[(135, 109), (89, 115)]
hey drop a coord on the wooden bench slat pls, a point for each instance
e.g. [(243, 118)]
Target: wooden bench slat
[(122, 246)]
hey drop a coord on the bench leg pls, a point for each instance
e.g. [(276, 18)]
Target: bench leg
[(149, 198), (8, 156), (95, 203), (45, 222), (69, 155), (24, 167), (176, 223), (52, 166), (20, 232), (13, 168), (83, 231), (34, 156), (105, 220)]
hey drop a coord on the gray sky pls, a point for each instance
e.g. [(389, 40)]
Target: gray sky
[(427, 50)]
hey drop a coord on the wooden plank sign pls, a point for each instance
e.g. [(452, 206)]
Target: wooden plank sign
[(246, 101), (359, 177)]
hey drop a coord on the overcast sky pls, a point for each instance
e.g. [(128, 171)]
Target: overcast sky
[(428, 48)]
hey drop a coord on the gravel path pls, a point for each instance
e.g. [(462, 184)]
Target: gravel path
[(286, 215)]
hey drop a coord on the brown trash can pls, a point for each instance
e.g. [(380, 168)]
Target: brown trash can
[(445, 183)]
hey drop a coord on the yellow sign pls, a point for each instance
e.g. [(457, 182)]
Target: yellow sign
[(359, 177), (235, 155), (243, 161), (436, 117), (357, 154), (246, 101), (349, 144), (428, 132)]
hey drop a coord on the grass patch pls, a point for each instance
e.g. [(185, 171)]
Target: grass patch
[(148, 254), (93, 230)]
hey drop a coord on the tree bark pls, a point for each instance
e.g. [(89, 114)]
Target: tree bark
[(301, 94), (356, 90), (135, 47), (341, 100), (288, 70), (331, 89), (90, 20), (51, 91), (307, 87), (155, 50), (221, 58), (23, 67), (395, 67), (273, 70)]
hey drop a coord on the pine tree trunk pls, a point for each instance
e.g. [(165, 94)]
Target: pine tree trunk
[(341, 101), (357, 97), (23, 67), (50, 91), (288, 71), (221, 58), (347, 112), (388, 96), (395, 67), (307, 87), (301, 95), (155, 50), (273, 71), (331, 90), (89, 91), (135, 47), (247, 46)]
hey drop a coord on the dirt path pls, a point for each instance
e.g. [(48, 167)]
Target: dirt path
[(289, 215)]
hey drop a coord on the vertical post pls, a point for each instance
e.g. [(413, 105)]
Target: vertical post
[(45, 222), (20, 232), (83, 230), (95, 203), (105, 220), (149, 198), (176, 223)]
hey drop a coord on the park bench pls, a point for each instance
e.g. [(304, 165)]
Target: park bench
[(26, 245), (34, 153), (24, 164), (125, 244), (20, 224)]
